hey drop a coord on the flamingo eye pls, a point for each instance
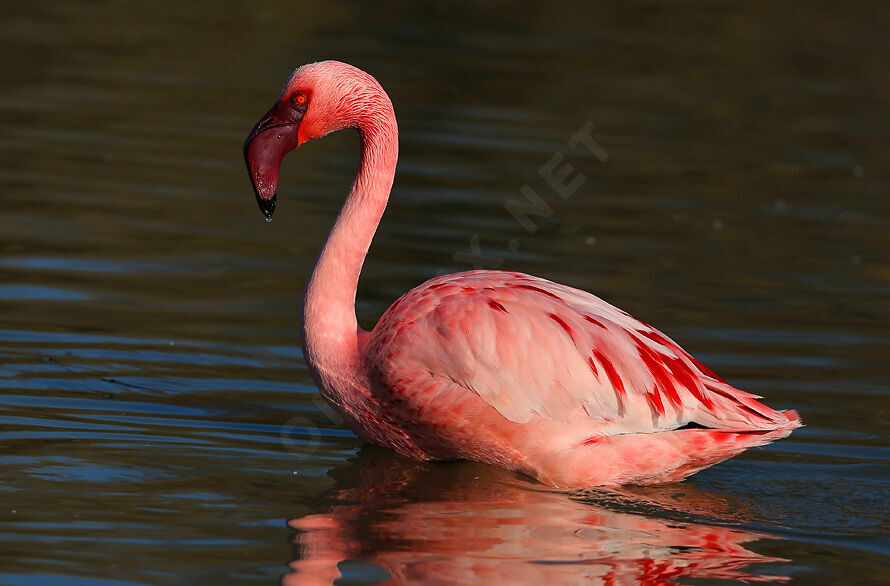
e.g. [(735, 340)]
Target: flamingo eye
[(300, 99)]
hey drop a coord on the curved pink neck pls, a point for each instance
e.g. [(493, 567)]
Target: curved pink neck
[(330, 330)]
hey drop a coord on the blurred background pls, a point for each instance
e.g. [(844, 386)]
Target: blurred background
[(157, 423)]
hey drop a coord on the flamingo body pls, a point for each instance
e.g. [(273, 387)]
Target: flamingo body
[(492, 366)]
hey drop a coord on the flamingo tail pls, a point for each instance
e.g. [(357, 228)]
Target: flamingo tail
[(655, 458)]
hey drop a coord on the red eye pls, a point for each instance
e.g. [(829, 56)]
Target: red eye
[(300, 99)]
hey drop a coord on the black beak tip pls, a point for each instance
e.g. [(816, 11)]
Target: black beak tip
[(267, 206)]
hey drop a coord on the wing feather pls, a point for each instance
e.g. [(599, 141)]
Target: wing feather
[(530, 347)]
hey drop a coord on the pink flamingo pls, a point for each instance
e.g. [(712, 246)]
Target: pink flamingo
[(493, 366)]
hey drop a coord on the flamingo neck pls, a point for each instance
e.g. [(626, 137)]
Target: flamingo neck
[(330, 329)]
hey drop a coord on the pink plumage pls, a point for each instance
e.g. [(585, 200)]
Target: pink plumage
[(493, 366)]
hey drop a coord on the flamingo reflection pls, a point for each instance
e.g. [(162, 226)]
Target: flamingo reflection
[(464, 523)]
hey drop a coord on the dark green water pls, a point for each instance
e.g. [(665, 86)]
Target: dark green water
[(157, 423)]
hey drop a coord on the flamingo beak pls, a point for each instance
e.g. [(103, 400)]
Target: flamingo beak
[(274, 136)]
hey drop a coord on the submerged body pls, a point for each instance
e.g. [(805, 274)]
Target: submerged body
[(492, 366)]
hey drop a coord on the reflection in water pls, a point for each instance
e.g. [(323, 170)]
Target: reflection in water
[(465, 523)]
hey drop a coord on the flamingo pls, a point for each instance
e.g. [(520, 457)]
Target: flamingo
[(493, 366)]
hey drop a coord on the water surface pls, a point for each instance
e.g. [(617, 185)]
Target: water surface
[(157, 422)]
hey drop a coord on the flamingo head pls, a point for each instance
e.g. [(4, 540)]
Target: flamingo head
[(319, 98)]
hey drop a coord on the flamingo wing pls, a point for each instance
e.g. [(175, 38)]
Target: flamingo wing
[(531, 348)]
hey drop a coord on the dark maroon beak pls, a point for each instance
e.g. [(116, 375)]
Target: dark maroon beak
[(273, 137)]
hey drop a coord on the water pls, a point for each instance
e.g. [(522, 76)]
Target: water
[(157, 423)]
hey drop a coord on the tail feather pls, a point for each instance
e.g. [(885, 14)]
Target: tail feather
[(739, 410), (655, 458)]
